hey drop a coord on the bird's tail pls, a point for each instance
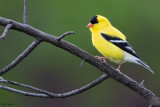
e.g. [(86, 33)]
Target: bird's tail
[(140, 62)]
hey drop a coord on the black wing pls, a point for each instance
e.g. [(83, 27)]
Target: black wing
[(122, 44)]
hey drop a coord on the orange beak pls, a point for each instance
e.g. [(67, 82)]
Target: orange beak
[(90, 25)]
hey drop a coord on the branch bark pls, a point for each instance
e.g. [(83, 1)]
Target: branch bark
[(20, 57), (25, 21), (8, 26), (110, 71), (65, 34), (47, 94)]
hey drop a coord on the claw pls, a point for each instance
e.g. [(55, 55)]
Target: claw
[(102, 58)]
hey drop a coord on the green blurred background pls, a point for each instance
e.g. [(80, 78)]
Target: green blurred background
[(56, 70)]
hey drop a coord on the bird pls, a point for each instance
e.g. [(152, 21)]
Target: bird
[(112, 44)]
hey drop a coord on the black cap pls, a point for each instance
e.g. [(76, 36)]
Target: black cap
[(94, 20)]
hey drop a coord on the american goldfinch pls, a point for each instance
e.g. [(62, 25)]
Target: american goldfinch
[(111, 43)]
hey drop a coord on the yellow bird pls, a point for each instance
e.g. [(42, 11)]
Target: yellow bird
[(112, 44)]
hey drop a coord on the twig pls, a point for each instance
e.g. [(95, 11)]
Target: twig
[(120, 77), (25, 21), (6, 31), (49, 94), (1, 78), (82, 63), (20, 57), (23, 92), (142, 83), (65, 34)]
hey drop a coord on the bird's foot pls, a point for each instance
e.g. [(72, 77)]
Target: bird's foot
[(102, 58), (118, 69)]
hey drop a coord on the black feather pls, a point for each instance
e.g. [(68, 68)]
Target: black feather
[(124, 45), (94, 20)]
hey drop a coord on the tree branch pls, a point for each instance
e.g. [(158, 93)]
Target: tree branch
[(81, 63), (65, 34), (20, 57), (47, 93), (120, 77), (25, 21), (8, 26), (23, 92)]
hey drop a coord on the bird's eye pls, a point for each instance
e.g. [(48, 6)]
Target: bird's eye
[(94, 20)]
